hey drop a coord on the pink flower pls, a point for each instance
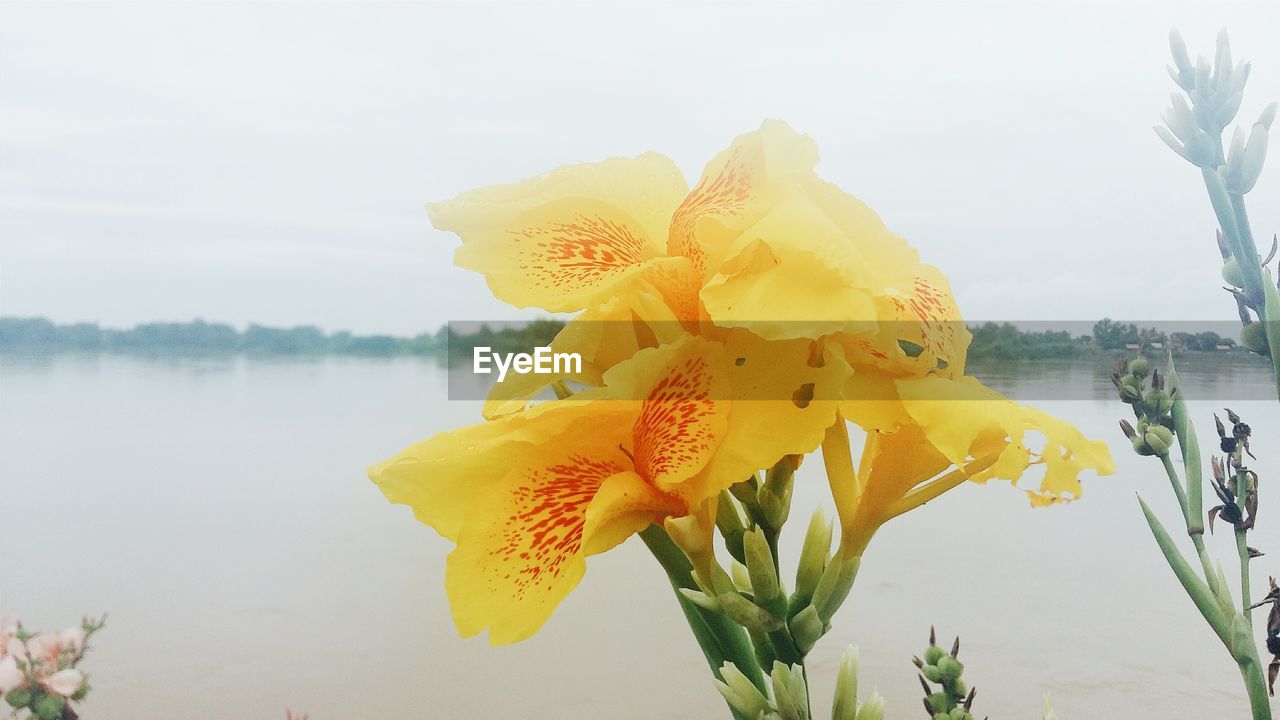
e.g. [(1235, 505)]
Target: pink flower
[(64, 682), (72, 639), (11, 677)]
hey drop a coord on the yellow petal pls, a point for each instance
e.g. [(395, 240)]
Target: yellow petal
[(521, 548), (565, 240), (684, 411), (784, 397), (963, 419), (736, 188), (439, 478)]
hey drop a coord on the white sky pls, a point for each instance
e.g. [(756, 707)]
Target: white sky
[(270, 162)]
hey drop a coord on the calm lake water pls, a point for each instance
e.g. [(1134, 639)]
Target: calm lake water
[(218, 510)]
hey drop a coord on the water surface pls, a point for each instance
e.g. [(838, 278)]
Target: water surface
[(219, 511)]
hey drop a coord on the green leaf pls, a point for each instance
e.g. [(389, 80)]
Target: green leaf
[(1196, 589), (1190, 447)]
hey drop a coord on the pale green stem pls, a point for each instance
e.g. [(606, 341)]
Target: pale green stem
[(1242, 548), (721, 639), (1197, 538)]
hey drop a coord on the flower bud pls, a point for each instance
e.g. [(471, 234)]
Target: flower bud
[(738, 691), (775, 494), (1268, 116), (1139, 367), (950, 667), (1254, 337), (806, 628), (1157, 444), (790, 693), (764, 577), (931, 673), (1232, 274), (845, 706), (739, 574), (1181, 58), (835, 584), (18, 697), (872, 709), (48, 707), (729, 522), (1140, 446), (748, 614), (1254, 155), (933, 654), (701, 599), (1159, 402), (939, 702), (813, 556)]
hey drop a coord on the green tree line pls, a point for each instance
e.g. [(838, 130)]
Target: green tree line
[(38, 335)]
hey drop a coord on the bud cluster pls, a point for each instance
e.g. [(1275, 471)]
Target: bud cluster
[(1195, 120), (782, 625), (787, 697), (1152, 406), (39, 673), (1235, 484), (952, 700)]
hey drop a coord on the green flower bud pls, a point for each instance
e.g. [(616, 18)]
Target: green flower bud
[(806, 628), (835, 584), (939, 702), (958, 688), (959, 714), (1159, 447), (701, 599), (1254, 337), (1159, 402), (1140, 445), (942, 716), (1139, 368), (748, 614), (931, 673), (789, 692), (740, 693), (18, 698), (48, 707), (813, 557), (846, 698), (1162, 432), (764, 578), (1232, 274), (933, 654), (950, 667), (872, 709)]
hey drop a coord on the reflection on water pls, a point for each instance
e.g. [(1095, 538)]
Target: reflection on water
[(218, 510)]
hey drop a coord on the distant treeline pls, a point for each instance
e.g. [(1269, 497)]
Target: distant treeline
[(1005, 341), (38, 335)]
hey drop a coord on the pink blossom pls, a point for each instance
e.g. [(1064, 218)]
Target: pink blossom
[(64, 682), (10, 676), (72, 639)]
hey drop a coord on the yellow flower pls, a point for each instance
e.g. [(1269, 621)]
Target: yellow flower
[(926, 436), (528, 496), (760, 243)]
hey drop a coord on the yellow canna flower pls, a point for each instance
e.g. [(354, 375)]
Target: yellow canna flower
[(928, 435), (528, 496), (760, 243)]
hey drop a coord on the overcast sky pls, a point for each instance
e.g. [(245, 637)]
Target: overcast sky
[(270, 162)]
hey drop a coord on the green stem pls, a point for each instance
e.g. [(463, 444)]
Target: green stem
[(1197, 535), (1255, 686), (721, 639), (1242, 549)]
